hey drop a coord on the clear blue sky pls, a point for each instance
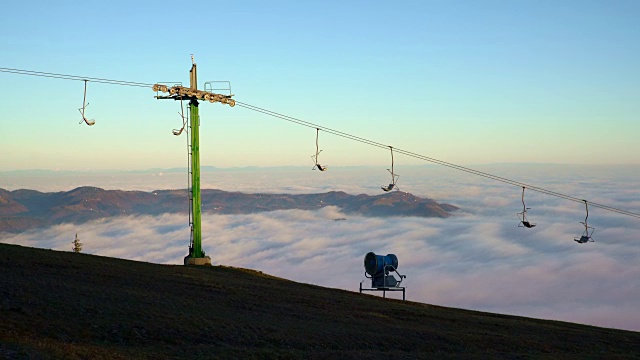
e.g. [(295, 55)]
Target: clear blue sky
[(468, 82)]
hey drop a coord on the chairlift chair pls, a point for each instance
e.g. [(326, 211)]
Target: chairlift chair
[(523, 215), (526, 223), (177, 132), (394, 176), (316, 164), (586, 235), (392, 185), (84, 106), (320, 167), (89, 122), (584, 238)]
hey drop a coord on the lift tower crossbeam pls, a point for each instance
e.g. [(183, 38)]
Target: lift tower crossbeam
[(196, 254)]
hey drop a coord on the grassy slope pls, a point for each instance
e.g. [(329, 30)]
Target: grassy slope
[(64, 305)]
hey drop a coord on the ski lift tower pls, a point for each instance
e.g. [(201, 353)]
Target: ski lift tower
[(177, 92)]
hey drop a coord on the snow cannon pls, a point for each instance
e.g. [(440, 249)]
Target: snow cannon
[(378, 268), (375, 265)]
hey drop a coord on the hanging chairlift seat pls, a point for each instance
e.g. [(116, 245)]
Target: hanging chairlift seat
[(392, 185), (527, 224), (316, 165), (89, 122), (394, 177), (586, 236), (84, 118), (522, 216), (583, 239), (84, 107), (524, 222)]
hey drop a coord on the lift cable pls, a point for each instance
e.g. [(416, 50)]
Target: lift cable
[(73, 77), (341, 134), (433, 160)]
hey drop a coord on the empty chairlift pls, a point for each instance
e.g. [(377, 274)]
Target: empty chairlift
[(394, 176), (316, 163), (524, 222), (586, 235), (84, 107)]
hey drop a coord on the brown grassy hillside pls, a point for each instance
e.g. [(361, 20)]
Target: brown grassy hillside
[(76, 306)]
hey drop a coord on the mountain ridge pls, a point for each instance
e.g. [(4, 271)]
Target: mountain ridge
[(25, 209)]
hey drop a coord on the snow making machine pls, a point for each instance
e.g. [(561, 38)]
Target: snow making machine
[(379, 269)]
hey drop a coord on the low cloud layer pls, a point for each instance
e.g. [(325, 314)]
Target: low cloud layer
[(479, 259)]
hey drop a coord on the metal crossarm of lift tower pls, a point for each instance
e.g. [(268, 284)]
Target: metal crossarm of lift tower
[(180, 92)]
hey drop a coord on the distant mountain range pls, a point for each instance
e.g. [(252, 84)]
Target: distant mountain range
[(22, 210), (203, 169)]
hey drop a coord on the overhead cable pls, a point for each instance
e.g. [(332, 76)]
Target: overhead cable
[(73, 77), (341, 134), (433, 160)]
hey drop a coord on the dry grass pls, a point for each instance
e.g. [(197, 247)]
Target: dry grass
[(61, 305)]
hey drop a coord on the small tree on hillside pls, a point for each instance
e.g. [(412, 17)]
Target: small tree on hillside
[(77, 245)]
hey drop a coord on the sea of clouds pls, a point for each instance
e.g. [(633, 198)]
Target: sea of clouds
[(477, 259)]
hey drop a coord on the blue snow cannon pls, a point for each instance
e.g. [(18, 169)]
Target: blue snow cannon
[(377, 265), (379, 269)]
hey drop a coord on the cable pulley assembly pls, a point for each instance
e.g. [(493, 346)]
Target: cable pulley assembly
[(188, 94)]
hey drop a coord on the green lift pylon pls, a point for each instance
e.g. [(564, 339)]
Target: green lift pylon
[(196, 254)]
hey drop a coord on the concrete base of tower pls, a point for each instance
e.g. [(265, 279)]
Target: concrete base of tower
[(188, 260)]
